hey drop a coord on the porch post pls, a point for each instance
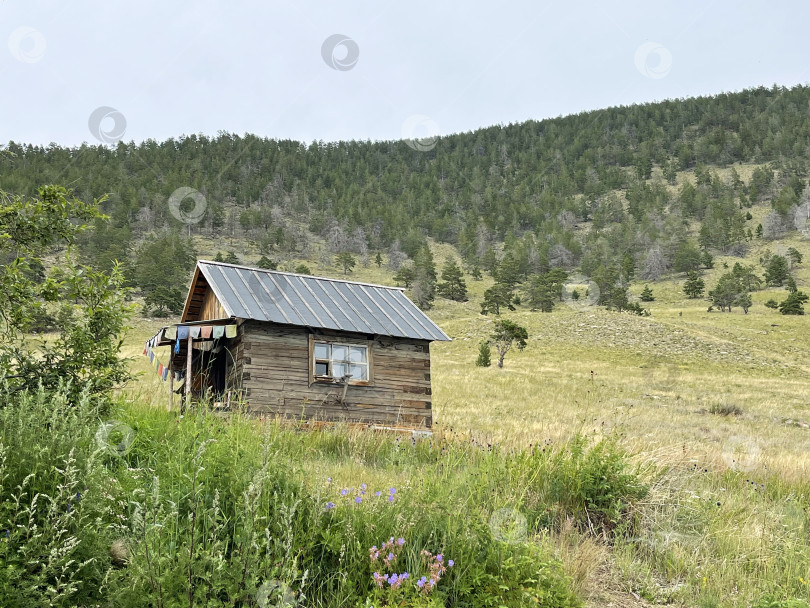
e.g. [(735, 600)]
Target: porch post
[(188, 372), (171, 380)]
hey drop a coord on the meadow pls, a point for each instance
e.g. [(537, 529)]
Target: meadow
[(709, 409)]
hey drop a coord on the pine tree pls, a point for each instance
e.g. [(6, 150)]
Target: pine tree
[(727, 293), (794, 303), (405, 275), (544, 290), (378, 259), (506, 335), (267, 263), (475, 273), (345, 260), (694, 286), (647, 295), (707, 260), (777, 271), (484, 355), (759, 231), (424, 282), (794, 255), (453, 286), (496, 297)]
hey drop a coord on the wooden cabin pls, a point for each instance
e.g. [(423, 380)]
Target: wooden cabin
[(303, 346)]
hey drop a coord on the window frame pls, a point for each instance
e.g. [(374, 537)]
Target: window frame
[(339, 341)]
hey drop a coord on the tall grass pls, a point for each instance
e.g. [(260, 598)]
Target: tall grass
[(140, 507)]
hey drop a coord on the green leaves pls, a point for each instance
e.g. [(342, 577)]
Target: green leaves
[(84, 355)]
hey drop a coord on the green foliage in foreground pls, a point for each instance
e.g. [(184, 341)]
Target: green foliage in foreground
[(213, 511), (90, 305)]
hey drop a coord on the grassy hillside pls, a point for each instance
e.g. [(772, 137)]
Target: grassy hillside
[(714, 407)]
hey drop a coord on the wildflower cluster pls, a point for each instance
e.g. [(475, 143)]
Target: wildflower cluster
[(361, 494), (435, 567), (387, 555), (384, 559)]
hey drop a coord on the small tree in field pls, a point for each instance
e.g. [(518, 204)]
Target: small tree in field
[(405, 275), (453, 286), (496, 297), (506, 335), (647, 294), (694, 286), (484, 355), (794, 303), (346, 261), (267, 263)]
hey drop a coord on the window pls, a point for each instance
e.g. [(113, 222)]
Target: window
[(334, 361)]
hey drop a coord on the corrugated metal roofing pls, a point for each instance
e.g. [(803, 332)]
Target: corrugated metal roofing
[(294, 299)]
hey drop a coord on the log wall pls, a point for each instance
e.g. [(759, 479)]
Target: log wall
[(273, 364)]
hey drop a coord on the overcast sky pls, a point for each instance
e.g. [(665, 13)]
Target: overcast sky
[(105, 70)]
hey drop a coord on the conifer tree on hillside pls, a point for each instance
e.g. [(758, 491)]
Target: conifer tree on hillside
[(346, 261), (794, 303), (777, 271), (453, 286), (405, 275), (424, 281), (497, 297), (693, 286), (506, 335)]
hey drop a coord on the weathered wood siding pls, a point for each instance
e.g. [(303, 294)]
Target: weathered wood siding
[(211, 308), (274, 362)]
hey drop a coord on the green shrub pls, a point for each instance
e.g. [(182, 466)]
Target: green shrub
[(484, 355)]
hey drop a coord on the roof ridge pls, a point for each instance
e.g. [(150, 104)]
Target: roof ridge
[(295, 274)]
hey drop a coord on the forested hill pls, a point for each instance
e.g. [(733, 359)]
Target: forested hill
[(561, 191)]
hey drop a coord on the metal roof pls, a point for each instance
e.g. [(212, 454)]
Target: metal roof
[(295, 299)]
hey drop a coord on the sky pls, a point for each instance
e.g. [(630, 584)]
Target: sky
[(104, 71)]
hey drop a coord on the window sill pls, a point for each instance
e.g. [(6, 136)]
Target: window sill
[(325, 380)]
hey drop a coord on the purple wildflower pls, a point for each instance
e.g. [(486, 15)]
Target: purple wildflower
[(393, 490), (330, 505), (439, 558), (391, 498), (363, 486), (421, 582), (390, 556), (378, 493), (400, 541), (343, 492), (451, 563), (358, 500)]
